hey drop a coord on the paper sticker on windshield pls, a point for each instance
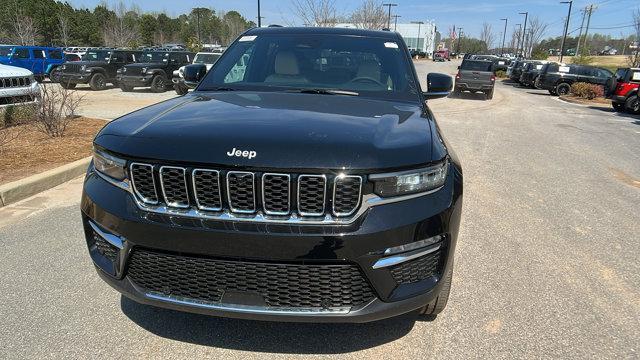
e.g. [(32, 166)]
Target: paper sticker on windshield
[(248, 38), (538, 67), (636, 76), (500, 62), (391, 45), (563, 69)]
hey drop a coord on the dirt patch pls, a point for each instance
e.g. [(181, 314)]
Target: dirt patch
[(625, 178), (34, 152)]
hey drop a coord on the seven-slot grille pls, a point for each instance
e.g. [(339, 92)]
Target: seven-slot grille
[(72, 68), (15, 82), (244, 192)]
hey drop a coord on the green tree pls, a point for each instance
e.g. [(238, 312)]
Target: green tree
[(148, 28)]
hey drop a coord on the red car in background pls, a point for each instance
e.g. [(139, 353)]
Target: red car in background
[(623, 90), (441, 55)]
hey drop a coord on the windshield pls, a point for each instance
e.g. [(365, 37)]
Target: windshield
[(5, 51), (154, 56), (476, 65), (206, 58), (99, 55), (368, 66)]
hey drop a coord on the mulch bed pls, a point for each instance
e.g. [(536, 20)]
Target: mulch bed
[(584, 101), (33, 152)]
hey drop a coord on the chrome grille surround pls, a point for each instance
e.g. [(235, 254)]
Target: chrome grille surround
[(338, 203), (231, 176), (214, 191), (175, 192), (269, 197), (304, 212), (153, 200)]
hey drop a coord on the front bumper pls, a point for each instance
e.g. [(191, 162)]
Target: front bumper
[(20, 95), (141, 80), (618, 99), (74, 78), (361, 243)]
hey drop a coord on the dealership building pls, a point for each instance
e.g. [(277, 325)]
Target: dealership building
[(422, 37)]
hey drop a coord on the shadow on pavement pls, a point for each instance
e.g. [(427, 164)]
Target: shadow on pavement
[(272, 337), (469, 96)]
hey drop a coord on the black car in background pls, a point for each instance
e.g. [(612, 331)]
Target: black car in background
[(530, 72), (97, 68), (154, 69), (516, 70), (557, 78), (304, 179)]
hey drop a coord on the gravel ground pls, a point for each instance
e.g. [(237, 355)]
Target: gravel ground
[(546, 264)]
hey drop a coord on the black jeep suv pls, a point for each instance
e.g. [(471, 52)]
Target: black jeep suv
[(557, 78), (305, 179), (97, 68), (155, 70)]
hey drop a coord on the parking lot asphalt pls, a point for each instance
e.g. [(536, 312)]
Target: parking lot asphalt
[(546, 265)]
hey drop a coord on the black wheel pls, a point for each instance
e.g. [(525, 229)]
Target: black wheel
[(436, 306), (98, 82), (159, 84), (68, 85), (619, 107), (632, 104), (180, 89), (126, 88), (489, 95), (563, 89), (54, 75)]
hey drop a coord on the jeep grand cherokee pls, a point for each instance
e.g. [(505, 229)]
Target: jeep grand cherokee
[(305, 179)]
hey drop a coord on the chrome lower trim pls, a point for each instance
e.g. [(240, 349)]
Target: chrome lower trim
[(110, 238), (247, 309), (400, 258)]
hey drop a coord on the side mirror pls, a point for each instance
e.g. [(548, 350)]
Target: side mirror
[(438, 85), (193, 74)]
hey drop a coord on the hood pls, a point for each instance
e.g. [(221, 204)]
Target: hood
[(11, 71), (141, 65), (283, 130), (88, 63)]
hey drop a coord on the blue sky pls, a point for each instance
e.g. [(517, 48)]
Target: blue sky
[(610, 17)]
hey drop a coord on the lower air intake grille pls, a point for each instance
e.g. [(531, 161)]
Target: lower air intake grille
[(280, 285), (417, 269), (104, 247)]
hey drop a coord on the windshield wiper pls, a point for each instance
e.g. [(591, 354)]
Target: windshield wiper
[(220, 88), (324, 91)]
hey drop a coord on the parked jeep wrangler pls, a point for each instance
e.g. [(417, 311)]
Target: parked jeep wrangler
[(40, 60), (622, 89), (155, 70), (557, 78), (97, 68)]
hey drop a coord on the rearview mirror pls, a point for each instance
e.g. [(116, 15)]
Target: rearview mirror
[(438, 85), (193, 74)]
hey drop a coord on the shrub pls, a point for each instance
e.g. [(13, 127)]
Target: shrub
[(501, 74), (586, 90), (57, 107)]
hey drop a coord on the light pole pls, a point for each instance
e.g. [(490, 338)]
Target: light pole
[(504, 35), (524, 31), (395, 22), (566, 28), (389, 5), (259, 17), (419, 25)]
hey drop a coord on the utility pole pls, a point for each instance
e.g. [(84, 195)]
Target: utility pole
[(584, 12), (389, 5), (566, 27), (517, 40), (524, 31), (259, 17), (587, 29), (459, 38), (395, 22), (504, 35)]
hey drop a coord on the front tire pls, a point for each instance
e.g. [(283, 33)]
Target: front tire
[(632, 104), (159, 84), (98, 82), (618, 107), (126, 88), (436, 306), (563, 89)]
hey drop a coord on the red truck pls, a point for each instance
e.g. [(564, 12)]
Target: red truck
[(441, 55), (623, 90)]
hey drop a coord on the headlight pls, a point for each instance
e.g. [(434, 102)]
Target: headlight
[(109, 165), (412, 181), (144, 70), (83, 67), (63, 67)]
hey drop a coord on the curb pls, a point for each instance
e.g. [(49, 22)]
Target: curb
[(23, 188), (578, 102)]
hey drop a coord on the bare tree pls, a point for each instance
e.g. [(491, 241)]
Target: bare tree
[(536, 29), (487, 35), (369, 15), (24, 27), (56, 109), (634, 59), (63, 26), (121, 30), (514, 43), (316, 12)]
